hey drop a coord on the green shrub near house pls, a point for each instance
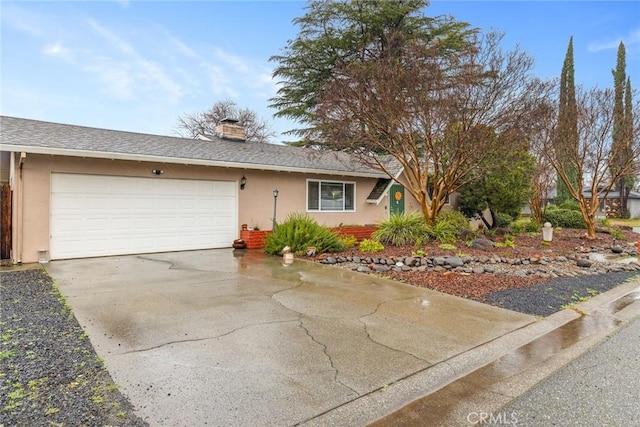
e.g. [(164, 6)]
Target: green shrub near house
[(449, 226), (524, 225), (565, 218), (402, 229), (300, 232)]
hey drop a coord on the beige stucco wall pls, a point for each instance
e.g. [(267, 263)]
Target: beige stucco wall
[(255, 202)]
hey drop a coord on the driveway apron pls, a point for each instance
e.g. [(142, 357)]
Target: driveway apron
[(224, 337)]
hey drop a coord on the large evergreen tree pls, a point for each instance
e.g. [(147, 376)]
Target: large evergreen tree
[(334, 34), (567, 133), (622, 128)]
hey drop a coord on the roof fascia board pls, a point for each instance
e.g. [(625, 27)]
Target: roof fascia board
[(177, 160)]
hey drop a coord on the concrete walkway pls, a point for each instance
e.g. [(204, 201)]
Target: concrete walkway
[(213, 337)]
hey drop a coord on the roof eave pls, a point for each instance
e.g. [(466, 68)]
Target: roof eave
[(178, 160)]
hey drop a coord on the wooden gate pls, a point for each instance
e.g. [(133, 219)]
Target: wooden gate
[(5, 221)]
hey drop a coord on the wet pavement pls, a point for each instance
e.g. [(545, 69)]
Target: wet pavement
[(479, 398), (215, 338)]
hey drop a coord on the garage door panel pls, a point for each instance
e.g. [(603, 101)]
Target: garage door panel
[(111, 215)]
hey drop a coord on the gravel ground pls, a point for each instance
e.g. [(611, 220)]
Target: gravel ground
[(49, 371), (555, 294)]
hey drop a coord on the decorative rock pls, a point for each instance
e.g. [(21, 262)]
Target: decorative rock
[(410, 261), (380, 268), (489, 269), (454, 261), (616, 249), (482, 244), (356, 259), (363, 269), (584, 263), (439, 260), (478, 270), (330, 260)]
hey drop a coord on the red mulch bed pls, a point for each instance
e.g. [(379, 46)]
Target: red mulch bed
[(565, 242)]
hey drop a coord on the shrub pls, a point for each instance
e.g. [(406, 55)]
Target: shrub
[(564, 218), (503, 220), (445, 231), (518, 226), (299, 232), (533, 227), (402, 229), (348, 240), (454, 217), (369, 245), (616, 233), (522, 225), (569, 205), (449, 226)]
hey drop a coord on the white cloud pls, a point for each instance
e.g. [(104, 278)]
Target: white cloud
[(58, 50), (631, 42), (129, 73)]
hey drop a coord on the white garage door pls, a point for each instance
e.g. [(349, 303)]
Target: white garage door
[(96, 215)]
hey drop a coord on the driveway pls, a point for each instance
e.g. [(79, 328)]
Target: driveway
[(211, 337)]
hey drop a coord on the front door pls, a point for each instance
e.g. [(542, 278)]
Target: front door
[(396, 196)]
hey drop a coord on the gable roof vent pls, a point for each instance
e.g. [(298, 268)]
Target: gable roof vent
[(231, 130)]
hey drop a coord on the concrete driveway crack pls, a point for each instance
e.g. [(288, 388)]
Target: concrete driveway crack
[(326, 353), (250, 325), (366, 330)]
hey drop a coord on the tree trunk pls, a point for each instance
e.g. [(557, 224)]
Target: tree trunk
[(624, 195), (587, 210)]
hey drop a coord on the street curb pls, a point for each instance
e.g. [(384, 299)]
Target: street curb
[(385, 401)]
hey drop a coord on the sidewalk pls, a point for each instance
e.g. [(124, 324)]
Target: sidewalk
[(602, 387), (537, 352)]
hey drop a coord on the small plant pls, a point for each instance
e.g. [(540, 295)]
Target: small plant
[(616, 233), (5, 354), (348, 240), (605, 222), (369, 245), (545, 243), (448, 247), (509, 242), (418, 253), (51, 410)]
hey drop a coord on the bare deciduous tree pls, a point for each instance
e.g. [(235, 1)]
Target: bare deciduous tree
[(542, 135), (436, 112), (204, 123), (591, 158)]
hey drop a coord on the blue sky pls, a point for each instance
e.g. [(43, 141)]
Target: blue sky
[(139, 65)]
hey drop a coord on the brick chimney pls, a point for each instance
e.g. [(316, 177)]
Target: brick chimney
[(231, 130)]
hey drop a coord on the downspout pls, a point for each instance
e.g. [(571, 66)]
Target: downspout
[(20, 212)]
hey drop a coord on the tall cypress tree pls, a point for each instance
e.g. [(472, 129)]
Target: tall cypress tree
[(620, 140), (566, 141)]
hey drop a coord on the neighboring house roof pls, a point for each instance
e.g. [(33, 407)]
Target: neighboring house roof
[(616, 195), (33, 136)]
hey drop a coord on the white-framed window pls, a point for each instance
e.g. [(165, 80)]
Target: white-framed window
[(331, 196)]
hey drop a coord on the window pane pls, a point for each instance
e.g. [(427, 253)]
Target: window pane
[(332, 196), (313, 196), (349, 202)]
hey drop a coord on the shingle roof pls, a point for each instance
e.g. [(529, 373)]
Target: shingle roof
[(18, 134)]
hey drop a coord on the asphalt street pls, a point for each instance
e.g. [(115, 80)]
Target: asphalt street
[(601, 387)]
